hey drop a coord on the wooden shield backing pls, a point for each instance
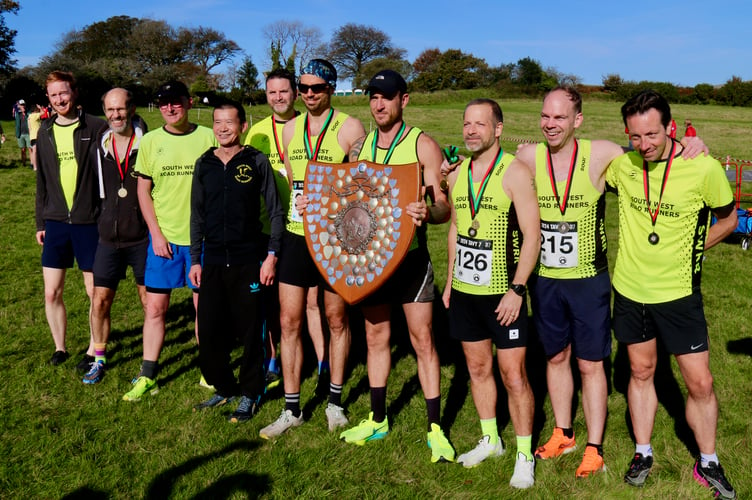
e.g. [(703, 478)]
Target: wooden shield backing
[(355, 224)]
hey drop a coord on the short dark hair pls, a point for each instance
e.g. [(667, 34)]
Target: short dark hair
[(230, 104), (572, 93), (495, 108), (644, 102), (282, 74)]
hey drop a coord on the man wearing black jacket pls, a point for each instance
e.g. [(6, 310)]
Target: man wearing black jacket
[(228, 183), (123, 234), (66, 201)]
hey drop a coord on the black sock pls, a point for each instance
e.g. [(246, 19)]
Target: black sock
[(292, 403), (568, 431), (335, 394), (433, 408), (149, 369), (378, 403)]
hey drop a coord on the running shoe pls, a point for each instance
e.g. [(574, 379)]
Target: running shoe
[(59, 357), (714, 478), (203, 383), (481, 452), (246, 409), (638, 470), (591, 463), (524, 472), (95, 373), (273, 379), (441, 449), (285, 421), (366, 430), (85, 363), (335, 416), (215, 401), (141, 386), (558, 445)]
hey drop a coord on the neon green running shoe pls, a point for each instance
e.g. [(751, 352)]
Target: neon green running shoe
[(141, 387), (366, 430), (441, 449)]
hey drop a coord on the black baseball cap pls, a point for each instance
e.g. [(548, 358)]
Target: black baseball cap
[(172, 90), (387, 82)]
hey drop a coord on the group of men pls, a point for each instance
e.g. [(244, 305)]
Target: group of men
[(227, 220)]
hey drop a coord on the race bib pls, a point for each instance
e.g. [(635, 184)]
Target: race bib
[(472, 264), (559, 244), (297, 190)]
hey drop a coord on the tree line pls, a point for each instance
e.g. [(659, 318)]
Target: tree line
[(140, 54)]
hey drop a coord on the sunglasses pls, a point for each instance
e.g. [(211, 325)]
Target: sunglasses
[(316, 88), (176, 103)]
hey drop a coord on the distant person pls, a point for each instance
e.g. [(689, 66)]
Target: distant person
[(123, 235), (35, 121), (690, 130), (67, 203), (672, 129), (266, 136), (165, 164), (22, 130), (227, 251), (657, 277)]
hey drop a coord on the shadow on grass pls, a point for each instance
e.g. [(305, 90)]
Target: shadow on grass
[(740, 346), (667, 389), (250, 485)]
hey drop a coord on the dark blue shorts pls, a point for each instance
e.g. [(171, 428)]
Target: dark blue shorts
[(472, 318), (111, 263), (679, 323), (63, 242), (573, 311), (162, 275)]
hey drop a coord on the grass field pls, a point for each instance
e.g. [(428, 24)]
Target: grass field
[(61, 439)]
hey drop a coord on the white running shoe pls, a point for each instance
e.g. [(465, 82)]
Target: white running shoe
[(279, 426), (336, 417), (481, 452), (524, 472)]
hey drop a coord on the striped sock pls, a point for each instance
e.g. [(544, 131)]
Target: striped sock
[(335, 394), (100, 352), (292, 403)]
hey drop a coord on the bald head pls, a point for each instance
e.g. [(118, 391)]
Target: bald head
[(118, 108)]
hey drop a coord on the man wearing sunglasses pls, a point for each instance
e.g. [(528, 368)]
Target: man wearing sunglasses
[(322, 134), (165, 164)]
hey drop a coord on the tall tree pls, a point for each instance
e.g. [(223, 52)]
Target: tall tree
[(208, 48), (247, 77), (292, 44), (451, 69), (7, 38), (353, 45)]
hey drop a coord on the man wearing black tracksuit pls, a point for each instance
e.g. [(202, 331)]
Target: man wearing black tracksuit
[(228, 183)]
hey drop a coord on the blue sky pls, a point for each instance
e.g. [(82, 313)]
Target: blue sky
[(684, 43)]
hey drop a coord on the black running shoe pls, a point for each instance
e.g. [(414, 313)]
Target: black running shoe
[(713, 477), (245, 410), (638, 470), (85, 364), (59, 357)]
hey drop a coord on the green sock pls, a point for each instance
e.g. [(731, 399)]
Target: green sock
[(488, 428), (524, 446)]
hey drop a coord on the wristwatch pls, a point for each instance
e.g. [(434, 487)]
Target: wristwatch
[(518, 289)]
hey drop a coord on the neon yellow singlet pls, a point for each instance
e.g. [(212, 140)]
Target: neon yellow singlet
[(168, 160), (576, 249), (405, 152), (330, 152), (66, 158), (261, 137), (670, 269), (484, 264)]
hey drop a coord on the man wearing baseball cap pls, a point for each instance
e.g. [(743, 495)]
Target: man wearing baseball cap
[(393, 142), (165, 164), (320, 134)]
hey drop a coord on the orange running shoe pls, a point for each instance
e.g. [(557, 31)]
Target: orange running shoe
[(592, 462), (559, 444)]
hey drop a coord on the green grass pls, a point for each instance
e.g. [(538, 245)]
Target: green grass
[(61, 438)]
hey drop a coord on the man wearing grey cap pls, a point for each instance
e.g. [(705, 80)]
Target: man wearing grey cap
[(393, 142), (320, 134), (165, 164)]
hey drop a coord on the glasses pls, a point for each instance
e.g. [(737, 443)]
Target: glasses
[(175, 104), (316, 88)]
